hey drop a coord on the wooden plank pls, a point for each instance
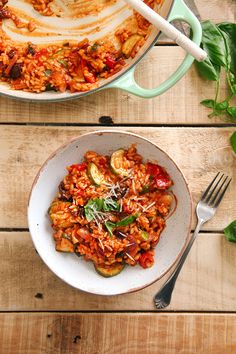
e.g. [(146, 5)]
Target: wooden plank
[(215, 10), (208, 277), (117, 333), (199, 153), (179, 105)]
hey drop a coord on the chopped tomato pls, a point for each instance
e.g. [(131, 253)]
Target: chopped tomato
[(110, 61), (40, 53), (146, 260), (103, 161), (83, 233), (89, 76), (78, 167), (161, 179)]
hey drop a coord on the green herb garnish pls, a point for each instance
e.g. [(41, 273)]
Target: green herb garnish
[(145, 189), (110, 205), (230, 231), (219, 43), (110, 226), (92, 208), (128, 220)]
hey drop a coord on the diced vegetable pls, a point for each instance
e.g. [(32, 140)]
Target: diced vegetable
[(109, 271), (110, 61), (117, 165), (57, 210), (129, 44), (145, 235), (64, 245), (94, 174), (146, 259), (160, 177)]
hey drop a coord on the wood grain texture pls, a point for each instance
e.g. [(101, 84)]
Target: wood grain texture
[(117, 333), (180, 105), (215, 10), (208, 277), (199, 153)]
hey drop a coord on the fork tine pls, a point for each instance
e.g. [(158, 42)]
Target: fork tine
[(222, 194), (212, 200), (213, 190), (209, 187)]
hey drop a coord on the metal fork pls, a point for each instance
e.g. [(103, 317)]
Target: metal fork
[(205, 210)]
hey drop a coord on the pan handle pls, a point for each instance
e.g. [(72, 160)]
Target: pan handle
[(127, 82)]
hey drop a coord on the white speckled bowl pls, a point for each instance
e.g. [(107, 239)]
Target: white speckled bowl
[(77, 272)]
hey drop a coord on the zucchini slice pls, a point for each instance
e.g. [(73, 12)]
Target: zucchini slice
[(94, 174), (109, 271), (129, 44), (57, 210), (116, 163), (64, 245)]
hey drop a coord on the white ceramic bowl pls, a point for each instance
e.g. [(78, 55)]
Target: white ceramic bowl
[(77, 272)]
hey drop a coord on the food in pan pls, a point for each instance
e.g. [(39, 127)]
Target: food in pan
[(111, 210), (29, 61)]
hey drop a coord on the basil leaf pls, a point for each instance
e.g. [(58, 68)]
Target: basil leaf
[(232, 111), (128, 220), (234, 89), (230, 231), (208, 103), (208, 70), (233, 141), (92, 207), (221, 106), (230, 30), (110, 226), (110, 205), (213, 43)]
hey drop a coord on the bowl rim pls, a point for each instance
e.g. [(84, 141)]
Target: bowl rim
[(101, 132)]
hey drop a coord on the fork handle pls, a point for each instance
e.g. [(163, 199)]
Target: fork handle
[(165, 292)]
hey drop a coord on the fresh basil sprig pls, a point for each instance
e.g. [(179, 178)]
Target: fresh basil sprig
[(219, 43)]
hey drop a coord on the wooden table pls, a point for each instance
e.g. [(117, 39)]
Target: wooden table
[(41, 314)]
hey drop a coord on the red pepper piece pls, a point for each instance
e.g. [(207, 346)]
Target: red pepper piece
[(88, 76), (161, 179), (146, 260), (110, 61), (79, 167)]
